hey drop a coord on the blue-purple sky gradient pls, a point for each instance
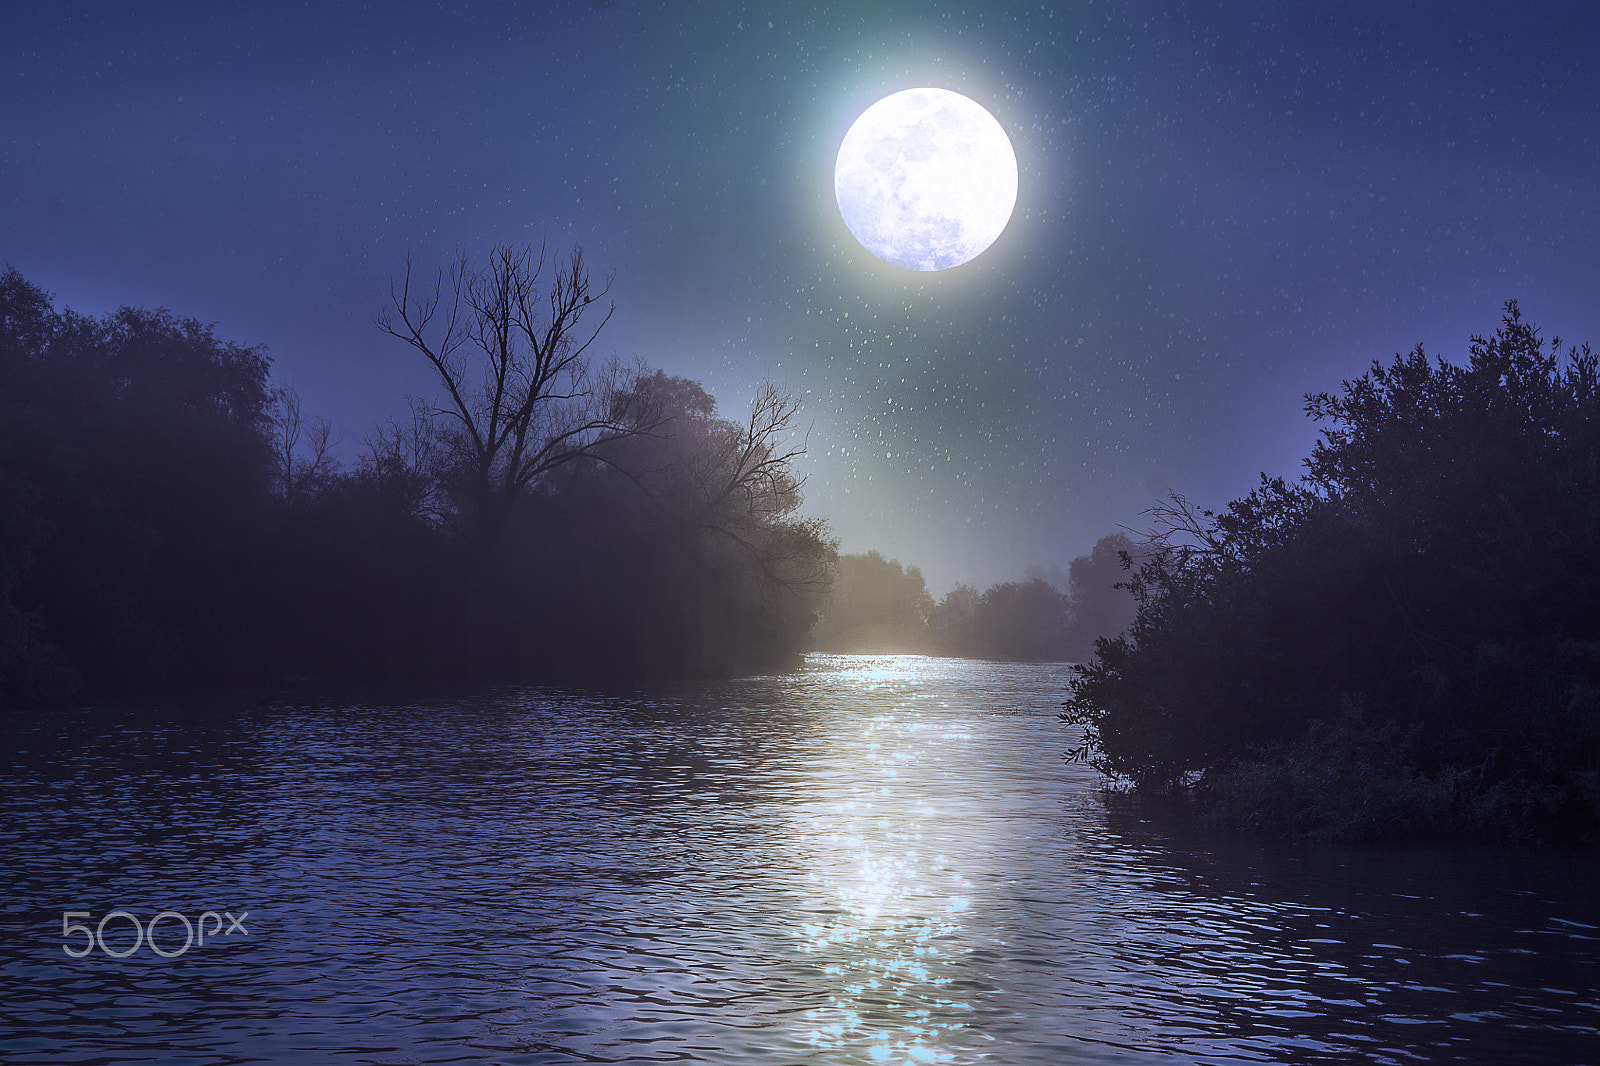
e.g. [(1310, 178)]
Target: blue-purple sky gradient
[(1222, 207)]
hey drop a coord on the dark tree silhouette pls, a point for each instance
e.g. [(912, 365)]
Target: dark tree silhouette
[(1407, 641), (302, 448), (167, 520), (137, 476), (1023, 620), (522, 395), (404, 457), (877, 605), (736, 481), (737, 566)]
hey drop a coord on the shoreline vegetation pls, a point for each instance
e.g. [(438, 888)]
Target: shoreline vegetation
[(1403, 645), (171, 521), (174, 522), (878, 606)]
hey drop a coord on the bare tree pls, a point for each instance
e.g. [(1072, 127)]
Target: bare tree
[(734, 482), (403, 456), (302, 447), (521, 395), (750, 476)]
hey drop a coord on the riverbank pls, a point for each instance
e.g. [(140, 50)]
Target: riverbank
[(1347, 781)]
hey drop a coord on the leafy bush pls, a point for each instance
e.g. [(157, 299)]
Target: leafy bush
[(1435, 568)]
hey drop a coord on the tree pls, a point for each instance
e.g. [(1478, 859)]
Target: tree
[(954, 622), (876, 605), (1099, 602), (522, 397), (32, 669), (737, 573), (404, 461), (1023, 620), (302, 448), (1050, 615), (167, 519), (1415, 620), (138, 473), (736, 482)]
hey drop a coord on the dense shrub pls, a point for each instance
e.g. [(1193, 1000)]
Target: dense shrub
[(1436, 567)]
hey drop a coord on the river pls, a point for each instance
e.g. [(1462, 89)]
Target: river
[(870, 860)]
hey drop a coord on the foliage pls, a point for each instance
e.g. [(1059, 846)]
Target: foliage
[(1435, 567), (1341, 779), (695, 527), (1356, 778), (135, 483), (1097, 593), (1022, 620), (1035, 620), (168, 519), (876, 605)]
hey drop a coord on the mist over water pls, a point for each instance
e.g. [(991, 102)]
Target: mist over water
[(872, 860)]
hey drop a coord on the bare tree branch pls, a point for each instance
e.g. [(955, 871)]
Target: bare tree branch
[(299, 476), (512, 356)]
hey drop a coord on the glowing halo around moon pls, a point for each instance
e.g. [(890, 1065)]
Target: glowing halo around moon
[(926, 179)]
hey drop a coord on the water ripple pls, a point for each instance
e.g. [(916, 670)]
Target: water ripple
[(874, 860)]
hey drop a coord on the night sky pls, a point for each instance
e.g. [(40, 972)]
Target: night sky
[(1221, 207)]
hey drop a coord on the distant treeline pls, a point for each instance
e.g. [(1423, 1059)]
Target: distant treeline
[(878, 605), (1406, 643), (169, 519)]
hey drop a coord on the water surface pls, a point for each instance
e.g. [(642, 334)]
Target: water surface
[(873, 860)]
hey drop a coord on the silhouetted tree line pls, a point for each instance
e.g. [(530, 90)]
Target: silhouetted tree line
[(170, 519), (876, 605), (879, 606), (1407, 641), (1036, 620)]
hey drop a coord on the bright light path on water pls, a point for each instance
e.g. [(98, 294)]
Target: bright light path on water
[(891, 905)]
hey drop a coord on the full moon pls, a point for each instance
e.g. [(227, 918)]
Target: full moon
[(926, 179)]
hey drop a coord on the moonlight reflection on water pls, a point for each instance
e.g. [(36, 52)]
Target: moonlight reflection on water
[(872, 860), (890, 903)]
